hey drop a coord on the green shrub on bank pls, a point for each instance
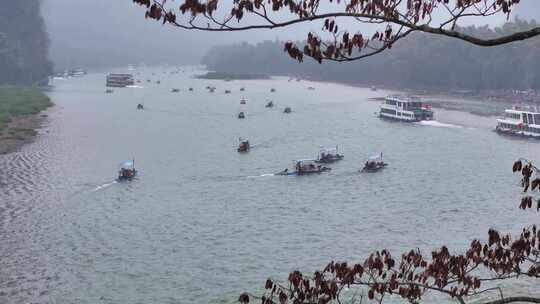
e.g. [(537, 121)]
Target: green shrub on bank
[(19, 102)]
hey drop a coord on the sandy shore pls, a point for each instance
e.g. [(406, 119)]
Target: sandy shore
[(20, 131)]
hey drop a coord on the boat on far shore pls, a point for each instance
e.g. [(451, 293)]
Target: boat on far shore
[(77, 72), (120, 80)]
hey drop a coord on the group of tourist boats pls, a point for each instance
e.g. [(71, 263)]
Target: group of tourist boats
[(269, 104), (518, 121), (523, 121), (326, 155)]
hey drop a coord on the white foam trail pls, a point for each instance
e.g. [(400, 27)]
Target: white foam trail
[(104, 186), (262, 175), (434, 123), (135, 87)]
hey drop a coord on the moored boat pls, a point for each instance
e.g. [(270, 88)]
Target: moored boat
[(109, 91), (175, 90), (140, 106), (408, 109), (272, 90), (287, 110), (227, 91), (241, 115), (77, 72), (270, 104), (520, 121), (243, 101), (374, 164), (127, 170), (328, 155)]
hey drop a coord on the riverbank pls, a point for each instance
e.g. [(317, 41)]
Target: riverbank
[(232, 76), (19, 116)]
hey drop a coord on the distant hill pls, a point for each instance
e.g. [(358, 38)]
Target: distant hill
[(23, 43), (421, 61)]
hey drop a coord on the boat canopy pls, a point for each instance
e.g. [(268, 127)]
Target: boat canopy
[(127, 164), (328, 150), (375, 158), (305, 161)]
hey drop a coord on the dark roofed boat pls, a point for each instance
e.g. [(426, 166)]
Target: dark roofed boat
[(328, 155), (305, 167), (374, 164), (244, 145), (127, 170)]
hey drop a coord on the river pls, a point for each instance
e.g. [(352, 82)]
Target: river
[(202, 223)]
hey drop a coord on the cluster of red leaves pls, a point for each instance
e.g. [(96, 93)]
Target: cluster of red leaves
[(411, 276), (528, 182)]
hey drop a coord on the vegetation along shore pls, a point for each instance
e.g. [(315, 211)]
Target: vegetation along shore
[(19, 116)]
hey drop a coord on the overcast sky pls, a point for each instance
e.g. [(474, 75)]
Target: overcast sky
[(103, 32)]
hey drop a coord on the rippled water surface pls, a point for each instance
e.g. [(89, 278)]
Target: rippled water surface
[(202, 223)]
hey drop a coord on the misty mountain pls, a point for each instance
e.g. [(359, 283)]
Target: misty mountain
[(419, 61), (23, 43), (104, 33)]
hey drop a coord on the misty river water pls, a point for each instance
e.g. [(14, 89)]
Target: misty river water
[(202, 223)]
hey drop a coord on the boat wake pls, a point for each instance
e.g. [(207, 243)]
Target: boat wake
[(434, 123), (135, 87), (106, 185), (262, 175)]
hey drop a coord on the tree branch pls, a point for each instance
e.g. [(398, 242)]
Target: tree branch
[(515, 299)]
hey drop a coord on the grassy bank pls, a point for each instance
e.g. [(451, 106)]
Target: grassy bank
[(18, 119), (17, 102)]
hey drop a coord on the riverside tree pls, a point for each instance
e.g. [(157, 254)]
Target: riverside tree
[(395, 20), (482, 267)]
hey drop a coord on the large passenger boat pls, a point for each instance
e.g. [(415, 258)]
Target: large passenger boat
[(77, 72), (520, 121), (120, 80), (407, 109)]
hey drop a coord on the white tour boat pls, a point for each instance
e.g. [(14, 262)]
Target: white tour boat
[(520, 121), (403, 108)]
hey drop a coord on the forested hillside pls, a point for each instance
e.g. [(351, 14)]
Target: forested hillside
[(420, 61), (23, 43)]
